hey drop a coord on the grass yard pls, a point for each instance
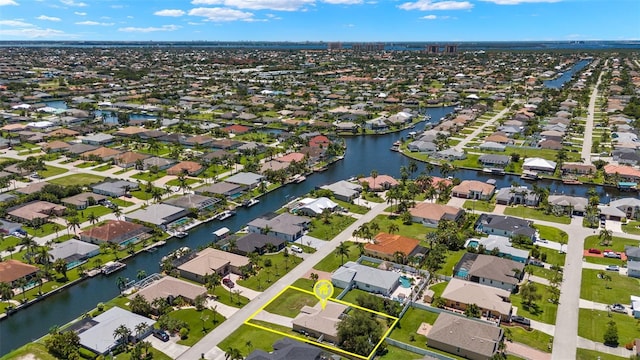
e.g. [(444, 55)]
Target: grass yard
[(541, 310), (200, 323), (631, 227), (51, 171), (77, 179), (307, 284), (470, 162), (175, 182), (553, 256), (617, 244), (9, 241), (149, 176), (593, 323), (453, 257), (416, 231), (121, 203), (603, 291), (248, 338), (531, 213), (438, 288), (406, 328), (97, 210), (290, 302), (155, 354), (104, 167), (225, 297), (140, 194), (332, 261), (35, 348), (533, 338), (356, 209), (479, 206), (44, 230), (337, 224), (280, 265), (584, 354), (395, 353), (551, 233)]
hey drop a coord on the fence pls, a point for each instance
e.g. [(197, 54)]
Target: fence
[(417, 350)]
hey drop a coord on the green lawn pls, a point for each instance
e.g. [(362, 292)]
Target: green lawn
[(337, 224), (196, 320), (104, 167), (148, 176), (248, 338), (142, 195), (77, 179), (175, 182), (617, 244), (631, 227), (438, 288), (280, 265), (470, 162), (44, 230), (603, 291), (592, 325), (290, 302), (87, 164), (531, 213), (453, 257), (553, 256), (551, 233), (395, 353), (307, 284), (51, 171), (533, 338), (406, 328), (8, 241), (34, 348), (155, 354), (479, 205), (416, 231), (542, 310), (332, 261), (356, 209), (229, 298), (121, 203), (97, 210), (584, 354)]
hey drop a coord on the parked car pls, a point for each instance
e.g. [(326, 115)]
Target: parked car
[(296, 248), (595, 251), (521, 320), (536, 263), (611, 254), (619, 308), (162, 335), (228, 283), (613, 268)]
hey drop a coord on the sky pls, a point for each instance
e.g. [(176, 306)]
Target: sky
[(320, 20)]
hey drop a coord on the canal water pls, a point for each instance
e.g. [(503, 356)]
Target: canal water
[(363, 155), (558, 82)]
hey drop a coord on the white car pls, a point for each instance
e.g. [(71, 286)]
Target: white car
[(296, 248)]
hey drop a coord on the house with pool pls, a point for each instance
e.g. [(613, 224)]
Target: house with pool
[(116, 232), (490, 270), (503, 244), (493, 302), (357, 276)]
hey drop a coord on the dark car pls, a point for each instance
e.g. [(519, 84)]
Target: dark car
[(162, 335), (228, 283), (536, 263), (595, 251), (521, 320)]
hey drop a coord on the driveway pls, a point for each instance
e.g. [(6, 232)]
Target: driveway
[(312, 242), (274, 319), (170, 348), (526, 352)]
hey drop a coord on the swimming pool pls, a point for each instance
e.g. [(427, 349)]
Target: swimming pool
[(472, 243), (181, 221), (462, 272), (405, 282)]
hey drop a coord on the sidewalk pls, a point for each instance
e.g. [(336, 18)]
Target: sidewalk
[(526, 352)]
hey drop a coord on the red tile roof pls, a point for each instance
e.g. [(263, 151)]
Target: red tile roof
[(12, 270), (388, 244)]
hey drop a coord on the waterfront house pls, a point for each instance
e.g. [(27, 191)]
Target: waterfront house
[(430, 214), (493, 302), (466, 338), (505, 225), (629, 206), (569, 204), (158, 214), (539, 165), (422, 146), (314, 207), (284, 226), (623, 172), (258, 243), (168, 287), (492, 160), (193, 201), (365, 278), (578, 168), (209, 261), (116, 232), (344, 190), (517, 195), (73, 252), (224, 188), (380, 183), (13, 270), (490, 270), (247, 179), (473, 189)]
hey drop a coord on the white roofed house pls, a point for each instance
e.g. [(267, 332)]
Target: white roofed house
[(74, 252), (344, 190), (366, 278), (314, 207), (284, 226), (539, 165)]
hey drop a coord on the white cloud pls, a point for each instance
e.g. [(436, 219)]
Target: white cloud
[(8, 2), (94, 23), (48, 18), (280, 5), (429, 5), (221, 14), (73, 3), (33, 33), (150, 29), (517, 2), (15, 23), (169, 12), (80, 13), (430, 17), (343, 2)]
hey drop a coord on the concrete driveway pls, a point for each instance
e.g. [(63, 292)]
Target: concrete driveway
[(170, 348)]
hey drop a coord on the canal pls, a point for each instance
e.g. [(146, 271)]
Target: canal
[(363, 155)]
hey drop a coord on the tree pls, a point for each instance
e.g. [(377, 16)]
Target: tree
[(60, 266), (122, 334), (140, 305), (472, 311), (211, 281), (141, 274), (611, 334), (393, 228), (117, 212), (233, 354), (63, 345), (314, 277), (6, 292), (529, 294), (199, 302), (357, 331), (342, 250), (605, 236), (92, 218), (374, 175)]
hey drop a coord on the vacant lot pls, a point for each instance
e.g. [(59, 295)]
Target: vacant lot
[(616, 290), (77, 179)]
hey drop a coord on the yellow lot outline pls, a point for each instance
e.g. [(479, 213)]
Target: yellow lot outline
[(329, 347)]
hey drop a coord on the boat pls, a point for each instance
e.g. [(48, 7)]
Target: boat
[(225, 215), (111, 267), (181, 234), (297, 178), (529, 175), (571, 182), (250, 202), (412, 134), (396, 146)]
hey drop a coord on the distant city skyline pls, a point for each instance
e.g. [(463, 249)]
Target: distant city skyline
[(320, 20)]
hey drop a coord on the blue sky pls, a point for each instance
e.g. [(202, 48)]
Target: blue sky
[(320, 20)]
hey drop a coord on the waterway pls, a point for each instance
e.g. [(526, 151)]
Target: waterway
[(558, 82), (364, 153)]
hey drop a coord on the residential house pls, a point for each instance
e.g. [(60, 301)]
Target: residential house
[(190, 168), (258, 243), (99, 139), (517, 195), (83, 200), (635, 306), (287, 348), (56, 146), (226, 189), (499, 138), (466, 338), (492, 146), (31, 188), (633, 269), (209, 261), (35, 212), (502, 244), (490, 270), (632, 252), (9, 227), (380, 183), (492, 160), (284, 226), (236, 129), (629, 206), (377, 124), (365, 278), (569, 204), (505, 225), (578, 168), (193, 201), (344, 190), (158, 214), (422, 146), (539, 165), (550, 144), (115, 188), (247, 179), (623, 172), (130, 131), (169, 287), (73, 252), (314, 207), (11, 271), (116, 232), (226, 144), (77, 149), (319, 321), (450, 154), (386, 246), (493, 302), (102, 153), (160, 163), (130, 159), (473, 189), (430, 214)]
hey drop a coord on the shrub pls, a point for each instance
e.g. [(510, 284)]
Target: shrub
[(184, 333)]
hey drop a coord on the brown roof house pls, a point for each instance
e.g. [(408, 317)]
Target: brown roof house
[(35, 212), (83, 200), (473, 189), (13, 270), (471, 339), (490, 270), (493, 302), (191, 167), (130, 159), (56, 146), (212, 260), (380, 183), (386, 246), (103, 153), (169, 286), (430, 214), (318, 322), (116, 232)]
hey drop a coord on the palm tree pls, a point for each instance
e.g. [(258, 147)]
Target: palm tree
[(375, 228), (233, 354), (141, 274), (156, 194), (6, 292), (374, 175), (605, 236), (73, 224), (92, 218), (60, 266), (28, 243), (121, 334), (211, 281), (314, 277), (117, 212), (22, 283), (342, 250), (393, 228), (140, 329)]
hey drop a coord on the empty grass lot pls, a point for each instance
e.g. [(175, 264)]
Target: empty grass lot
[(603, 291), (533, 338), (551, 233), (200, 323), (593, 323), (416, 231), (479, 205), (332, 261), (248, 338), (541, 310), (532, 213), (77, 179), (584, 354), (51, 171), (280, 265), (337, 224), (290, 302)]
